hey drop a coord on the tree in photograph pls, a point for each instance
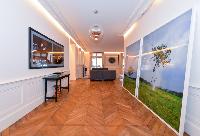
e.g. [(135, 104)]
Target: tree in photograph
[(161, 58), (130, 70)]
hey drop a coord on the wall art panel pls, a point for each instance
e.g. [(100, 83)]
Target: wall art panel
[(163, 69)]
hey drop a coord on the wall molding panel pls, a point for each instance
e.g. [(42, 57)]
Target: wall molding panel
[(192, 115), (19, 98), (14, 92)]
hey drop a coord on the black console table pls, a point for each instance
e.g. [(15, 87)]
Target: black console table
[(57, 77)]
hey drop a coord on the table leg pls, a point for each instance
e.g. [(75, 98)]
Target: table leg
[(60, 85), (68, 83), (56, 99), (45, 90)]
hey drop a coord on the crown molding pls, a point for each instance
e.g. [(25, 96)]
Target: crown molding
[(137, 13), (55, 12)]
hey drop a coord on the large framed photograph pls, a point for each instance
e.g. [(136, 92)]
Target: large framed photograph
[(44, 52), (158, 71), (163, 70)]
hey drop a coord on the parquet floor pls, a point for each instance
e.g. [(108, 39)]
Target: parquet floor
[(90, 109)]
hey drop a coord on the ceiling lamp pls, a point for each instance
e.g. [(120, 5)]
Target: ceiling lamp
[(96, 33), (95, 11)]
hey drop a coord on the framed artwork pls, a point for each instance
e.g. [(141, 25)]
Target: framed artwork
[(157, 70), (163, 69), (112, 60), (44, 52)]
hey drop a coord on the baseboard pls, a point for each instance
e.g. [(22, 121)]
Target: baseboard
[(19, 113)]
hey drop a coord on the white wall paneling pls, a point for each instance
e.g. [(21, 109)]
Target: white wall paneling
[(11, 97), (192, 117), (21, 97)]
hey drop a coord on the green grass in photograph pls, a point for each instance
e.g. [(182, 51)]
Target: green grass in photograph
[(130, 84), (165, 104)]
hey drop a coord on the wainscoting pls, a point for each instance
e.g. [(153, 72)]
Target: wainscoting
[(192, 125), (20, 97)]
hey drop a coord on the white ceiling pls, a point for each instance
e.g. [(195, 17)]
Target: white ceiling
[(115, 17)]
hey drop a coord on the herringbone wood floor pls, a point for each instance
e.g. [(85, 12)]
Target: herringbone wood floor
[(90, 109)]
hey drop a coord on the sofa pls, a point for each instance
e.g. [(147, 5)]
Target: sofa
[(102, 74)]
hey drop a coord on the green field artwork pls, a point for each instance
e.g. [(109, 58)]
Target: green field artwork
[(163, 66), (167, 105), (129, 84)]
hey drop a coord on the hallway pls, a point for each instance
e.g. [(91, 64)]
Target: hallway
[(90, 109)]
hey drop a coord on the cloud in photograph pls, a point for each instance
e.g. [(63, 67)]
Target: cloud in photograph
[(171, 76)]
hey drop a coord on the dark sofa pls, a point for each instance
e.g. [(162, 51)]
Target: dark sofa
[(99, 74)]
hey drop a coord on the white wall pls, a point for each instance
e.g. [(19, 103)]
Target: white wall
[(79, 63), (87, 62), (16, 17), (22, 89), (76, 61), (72, 61), (159, 14)]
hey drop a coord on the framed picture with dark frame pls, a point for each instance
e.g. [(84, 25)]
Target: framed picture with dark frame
[(44, 52)]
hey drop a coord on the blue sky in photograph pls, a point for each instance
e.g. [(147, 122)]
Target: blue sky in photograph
[(133, 49), (175, 33), (170, 77)]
